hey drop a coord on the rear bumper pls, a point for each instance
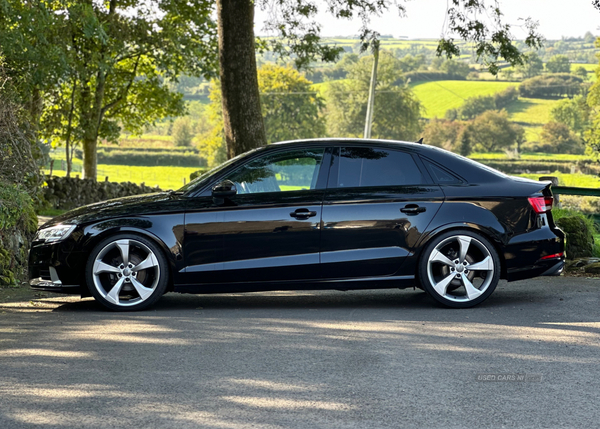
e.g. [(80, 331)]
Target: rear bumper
[(556, 270), (523, 254)]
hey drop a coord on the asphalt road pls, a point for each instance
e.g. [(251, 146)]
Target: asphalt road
[(362, 359)]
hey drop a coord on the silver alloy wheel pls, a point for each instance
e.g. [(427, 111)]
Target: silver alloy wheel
[(126, 272), (460, 268)]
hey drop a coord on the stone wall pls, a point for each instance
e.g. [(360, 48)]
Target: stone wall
[(67, 193)]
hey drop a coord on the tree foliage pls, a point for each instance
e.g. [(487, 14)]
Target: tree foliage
[(443, 133), (116, 58), (558, 64), (531, 65), (182, 131), (574, 113), (290, 108), (558, 138), (492, 131), (396, 110)]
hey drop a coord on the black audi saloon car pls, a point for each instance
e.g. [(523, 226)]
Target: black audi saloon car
[(315, 214)]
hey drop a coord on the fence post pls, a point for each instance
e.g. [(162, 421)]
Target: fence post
[(554, 181)]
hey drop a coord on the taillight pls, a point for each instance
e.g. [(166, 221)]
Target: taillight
[(553, 256), (541, 204)]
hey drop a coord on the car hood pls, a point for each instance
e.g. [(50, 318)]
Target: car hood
[(136, 205)]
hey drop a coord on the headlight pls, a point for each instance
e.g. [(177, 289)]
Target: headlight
[(54, 233)]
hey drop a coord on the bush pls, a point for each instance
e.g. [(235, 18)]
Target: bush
[(504, 98), (197, 173), (579, 230)]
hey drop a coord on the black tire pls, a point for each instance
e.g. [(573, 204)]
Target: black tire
[(138, 288), (459, 268)]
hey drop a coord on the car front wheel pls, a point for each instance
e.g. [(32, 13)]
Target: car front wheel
[(459, 269), (126, 272)]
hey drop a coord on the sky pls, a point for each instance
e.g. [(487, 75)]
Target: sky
[(425, 19)]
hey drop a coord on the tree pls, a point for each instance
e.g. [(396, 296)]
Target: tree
[(531, 66), (455, 67), (121, 55), (492, 131), (442, 133), (182, 131), (296, 33), (396, 111), (581, 72), (558, 64), (558, 138), (475, 106), (290, 108), (574, 113)]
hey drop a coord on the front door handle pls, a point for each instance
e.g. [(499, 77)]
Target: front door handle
[(303, 214), (412, 209)]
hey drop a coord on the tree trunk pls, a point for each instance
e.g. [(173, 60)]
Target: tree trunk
[(90, 120), (243, 122)]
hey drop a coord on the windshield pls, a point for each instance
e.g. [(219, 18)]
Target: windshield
[(204, 176)]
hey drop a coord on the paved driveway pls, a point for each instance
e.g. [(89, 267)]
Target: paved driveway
[(366, 359)]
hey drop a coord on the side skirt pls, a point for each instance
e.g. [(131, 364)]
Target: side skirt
[(400, 282)]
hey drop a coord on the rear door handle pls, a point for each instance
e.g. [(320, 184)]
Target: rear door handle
[(412, 209), (303, 214)]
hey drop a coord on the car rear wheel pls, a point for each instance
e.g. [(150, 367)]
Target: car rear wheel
[(126, 272), (459, 269)]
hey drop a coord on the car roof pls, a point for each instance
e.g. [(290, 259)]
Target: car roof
[(466, 168)]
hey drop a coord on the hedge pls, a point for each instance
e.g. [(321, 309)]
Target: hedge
[(416, 76), (150, 158), (18, 223)]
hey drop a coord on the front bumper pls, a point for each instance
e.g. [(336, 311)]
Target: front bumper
[(56, 268)]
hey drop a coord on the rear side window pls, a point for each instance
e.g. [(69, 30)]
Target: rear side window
[(361, 167), (441, 175)]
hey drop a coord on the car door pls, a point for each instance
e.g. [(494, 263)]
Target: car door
[(377, 204), (271, 228)]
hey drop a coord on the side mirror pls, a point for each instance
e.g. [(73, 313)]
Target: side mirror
[(225, 189)]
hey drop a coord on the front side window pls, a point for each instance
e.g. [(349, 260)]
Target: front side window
[(362, 167), (280, 172)]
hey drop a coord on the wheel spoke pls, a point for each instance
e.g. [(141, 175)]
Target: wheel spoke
[(113, 295), (141, 289), (486, 265), (464, 243), (440, 257), (123, 246), (472, 291), (442, 286), (149, 262), (101, 267)]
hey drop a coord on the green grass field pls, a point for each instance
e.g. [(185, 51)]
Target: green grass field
[(576, 180), (439, 96), (531, 156), (164, 177)]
